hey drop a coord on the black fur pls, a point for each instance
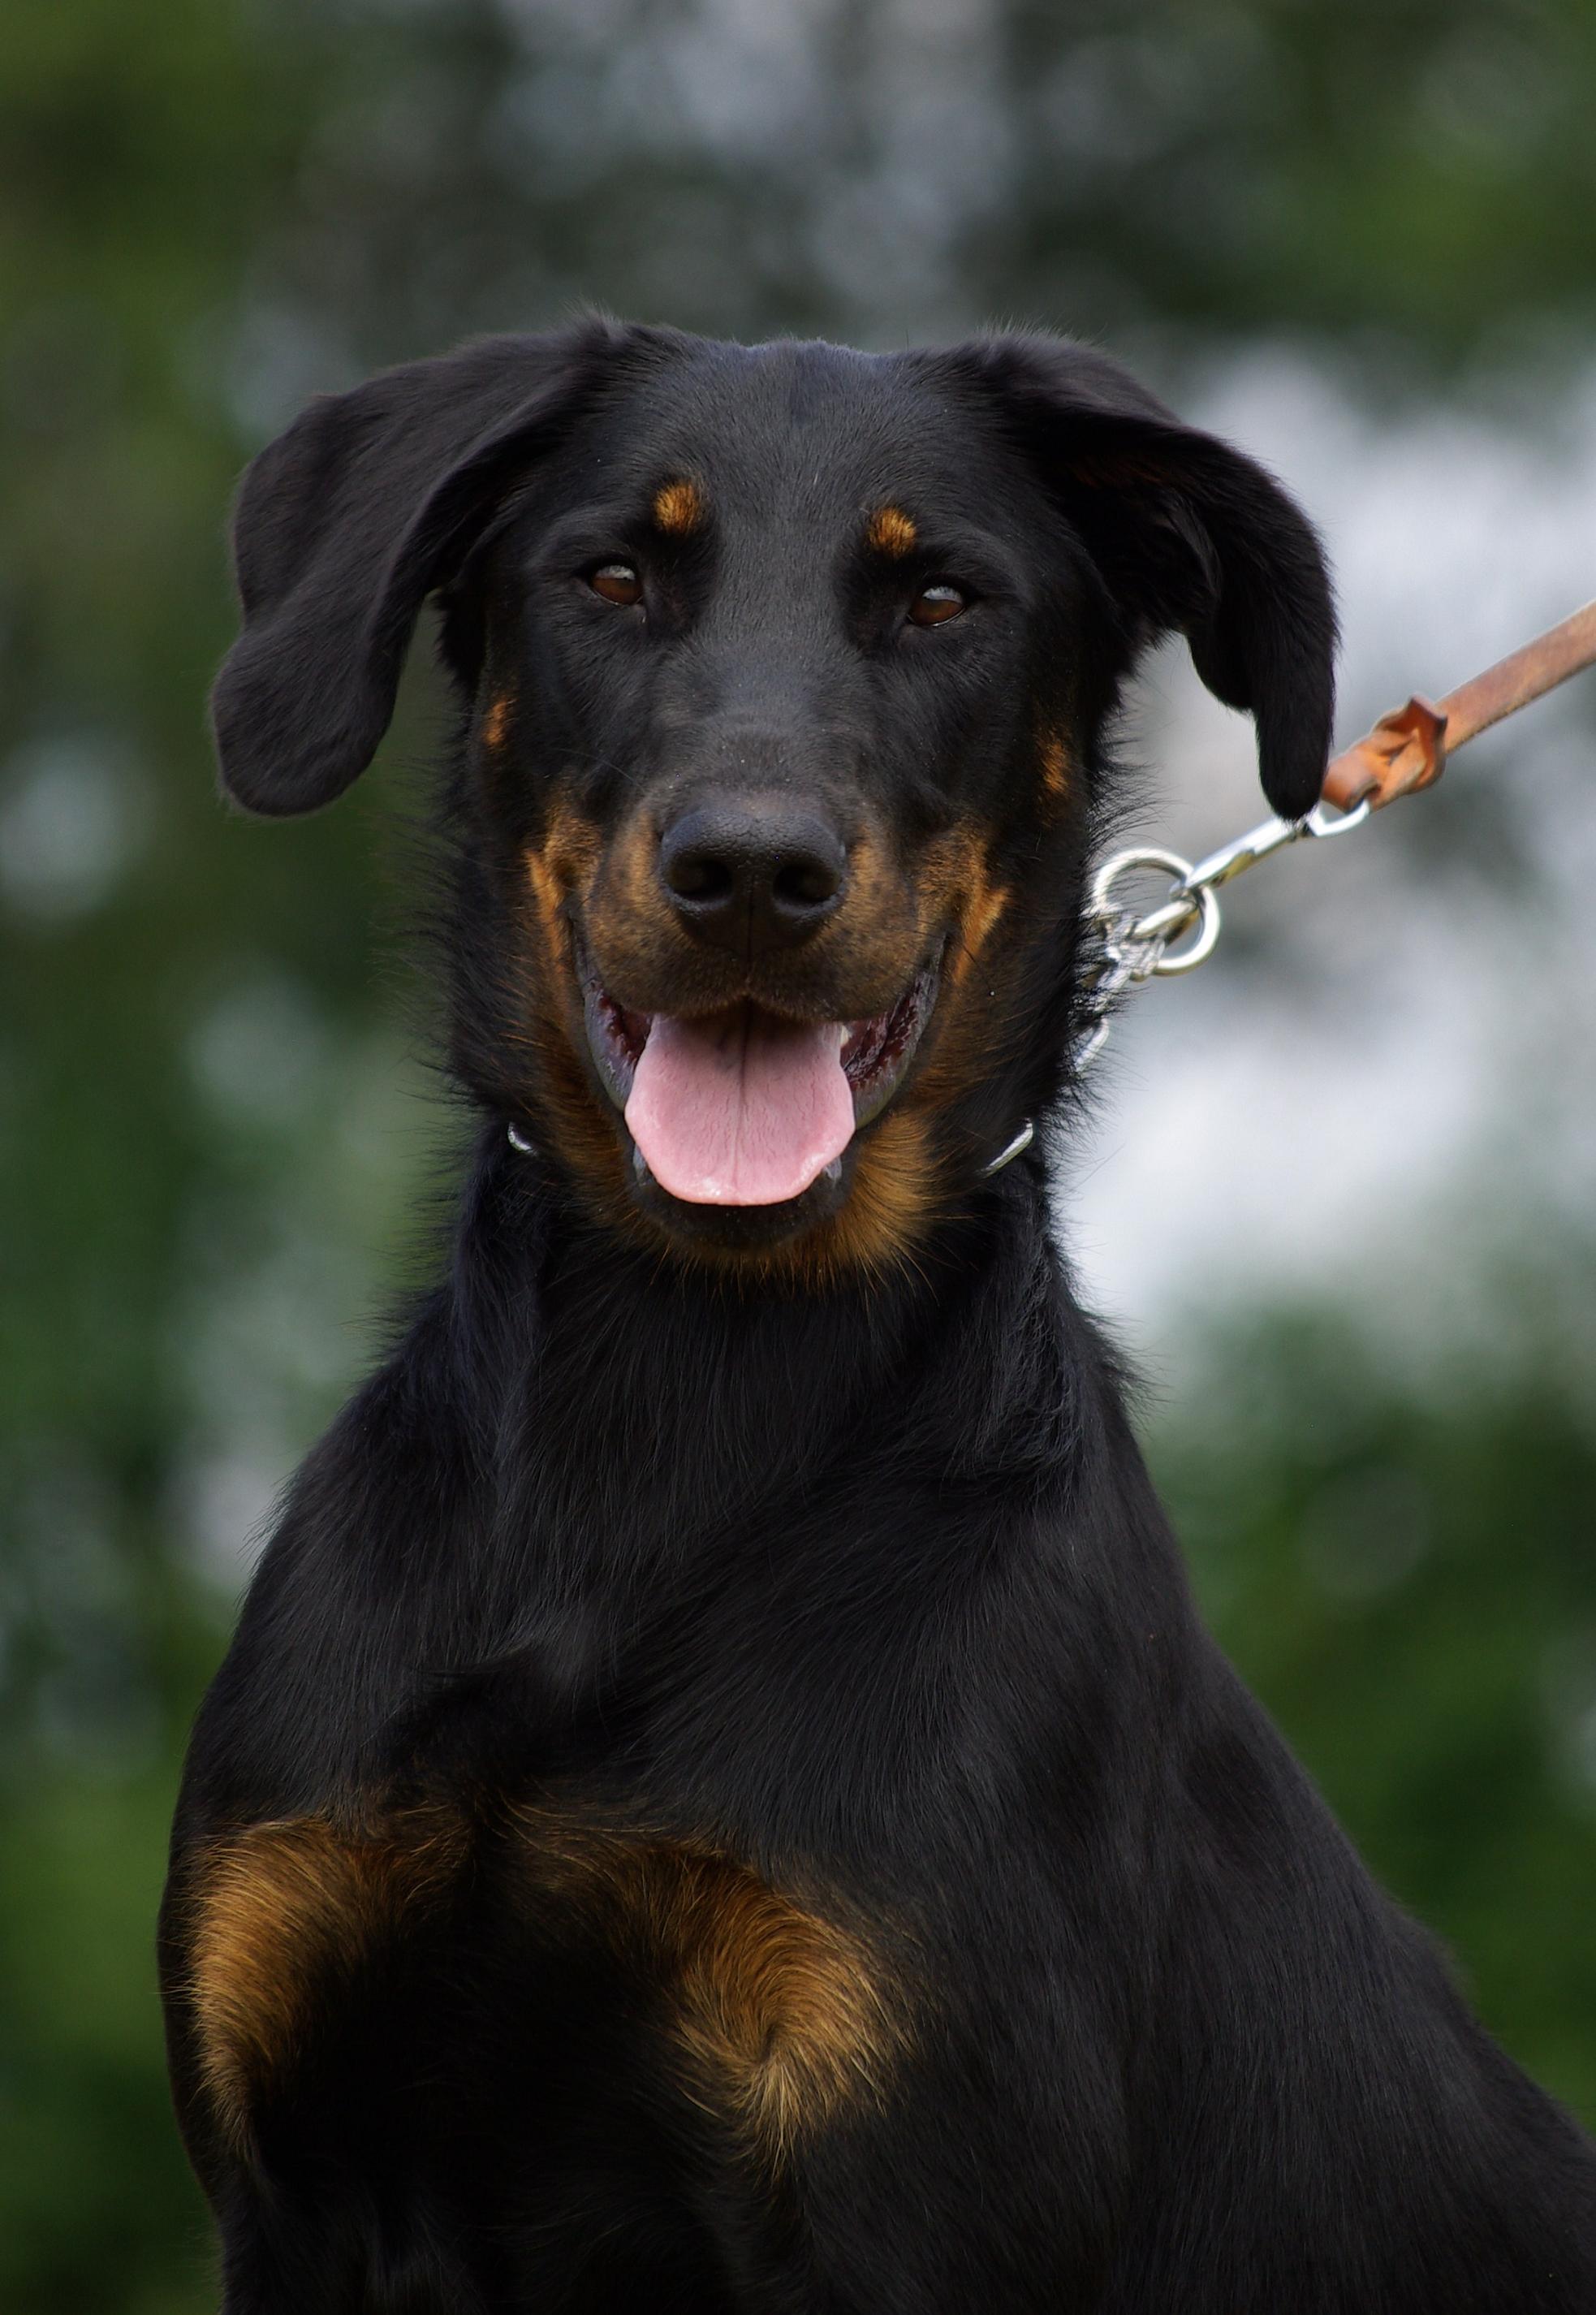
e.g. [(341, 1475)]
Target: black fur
[(841, 1580)]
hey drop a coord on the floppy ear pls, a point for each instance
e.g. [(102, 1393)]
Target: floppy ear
[(1187, 533), (343, 526)]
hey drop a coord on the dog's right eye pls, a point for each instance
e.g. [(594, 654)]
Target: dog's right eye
[(617, 583), (936, 605)]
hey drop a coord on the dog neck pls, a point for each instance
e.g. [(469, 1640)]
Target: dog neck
[(644, 1410)]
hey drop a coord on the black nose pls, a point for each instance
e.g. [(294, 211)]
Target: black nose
[(752, 873)]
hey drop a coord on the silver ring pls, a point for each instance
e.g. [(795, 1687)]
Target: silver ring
[(1021, 1140), (1207, 935), (1203, 900)]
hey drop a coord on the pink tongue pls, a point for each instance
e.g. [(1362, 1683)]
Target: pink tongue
[(743, 1110)]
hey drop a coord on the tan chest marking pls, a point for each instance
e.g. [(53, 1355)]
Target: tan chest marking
[(785, 2019), (282, 1915)]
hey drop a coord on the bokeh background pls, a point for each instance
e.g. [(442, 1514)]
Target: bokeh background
[(1339, 1193)]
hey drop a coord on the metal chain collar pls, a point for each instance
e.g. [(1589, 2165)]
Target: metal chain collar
[(1131, 949)]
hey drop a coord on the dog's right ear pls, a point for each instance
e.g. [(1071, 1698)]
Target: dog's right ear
[(346, 523)]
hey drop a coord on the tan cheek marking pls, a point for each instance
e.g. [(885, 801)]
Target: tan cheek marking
[(781, 2013), (892, 532), (546, 891), (893, 1200), (564, 860), (635, 858), (1054, 759), (879, 911), (955, 874), (626, 912), (987, 903), (678, 509), (495, 724), (284, 1913)]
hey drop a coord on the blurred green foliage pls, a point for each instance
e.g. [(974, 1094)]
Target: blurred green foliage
[(208, 1124), (1410, 1586)]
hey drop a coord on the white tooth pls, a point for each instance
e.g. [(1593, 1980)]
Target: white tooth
[(833, 1172)]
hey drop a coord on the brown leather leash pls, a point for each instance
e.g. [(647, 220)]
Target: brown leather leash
[(1406, 751)]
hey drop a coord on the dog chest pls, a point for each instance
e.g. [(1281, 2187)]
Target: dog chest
[(765, 2009)]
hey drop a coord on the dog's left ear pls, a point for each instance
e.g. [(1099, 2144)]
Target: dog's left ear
[(1186, 533), (349, 520)]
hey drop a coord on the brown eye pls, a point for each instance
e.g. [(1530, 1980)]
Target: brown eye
[(617, 583), (933, 607)]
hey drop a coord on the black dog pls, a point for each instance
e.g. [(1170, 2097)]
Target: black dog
[(719, 1799)]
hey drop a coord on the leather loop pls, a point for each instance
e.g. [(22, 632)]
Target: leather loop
[(1407, 749)]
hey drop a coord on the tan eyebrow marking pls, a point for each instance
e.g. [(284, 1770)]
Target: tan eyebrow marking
[(892, 532), (678, 507)]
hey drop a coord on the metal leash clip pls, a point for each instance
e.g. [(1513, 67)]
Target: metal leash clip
[(1133, 949), (1404, 753)]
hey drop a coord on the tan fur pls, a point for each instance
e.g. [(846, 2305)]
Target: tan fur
[(986, 903), (893, 1198), (892, 532), (633, 892), (880, 912), (678, 508), (282, 1914), (781, 2015), (1053, 758), (495, 724), (560, 868), (956, 878)]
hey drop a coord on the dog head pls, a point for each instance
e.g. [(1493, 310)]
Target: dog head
[(785, 670)]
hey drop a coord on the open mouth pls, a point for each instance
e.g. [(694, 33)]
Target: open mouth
[(743, 1107)]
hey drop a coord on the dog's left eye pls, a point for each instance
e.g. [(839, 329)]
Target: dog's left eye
[(933, 607), (617, 583)]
